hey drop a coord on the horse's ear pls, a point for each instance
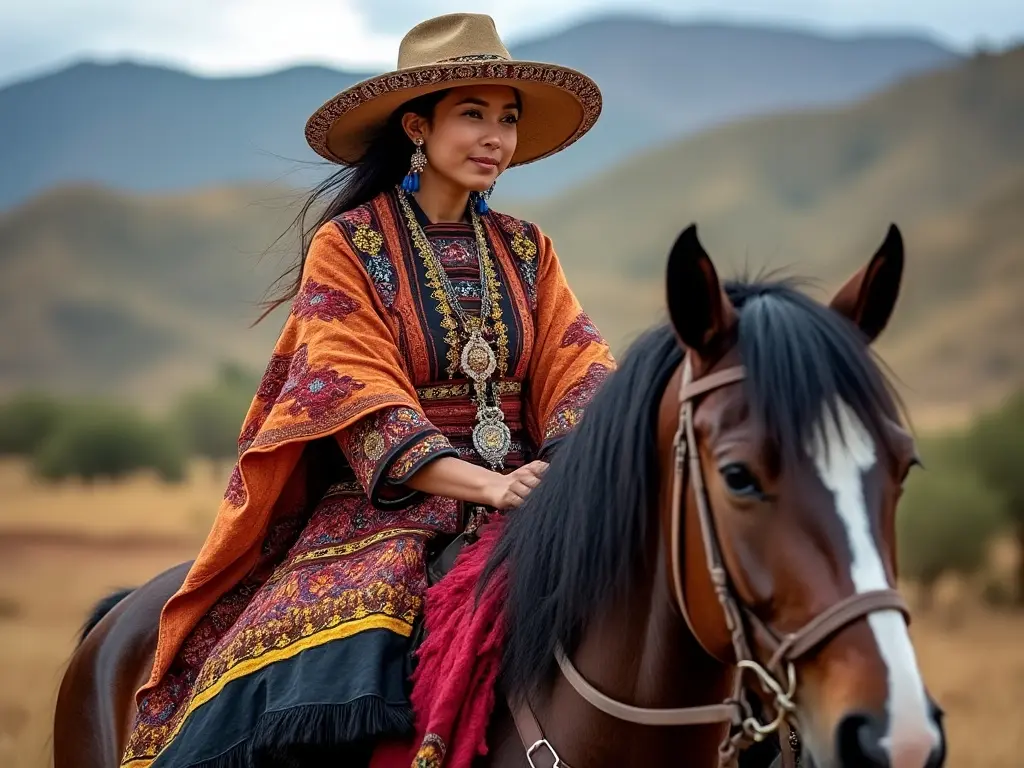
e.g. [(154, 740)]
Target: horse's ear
[(700, 311), (869, 297)]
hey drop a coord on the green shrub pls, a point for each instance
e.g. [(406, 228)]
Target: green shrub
[(26, 421), (210, 422), (945, 523), (995, 447), (210, 419), (102, 441)]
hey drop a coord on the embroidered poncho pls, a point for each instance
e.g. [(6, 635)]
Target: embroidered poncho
[(364, 362)]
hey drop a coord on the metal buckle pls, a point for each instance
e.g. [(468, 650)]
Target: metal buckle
[(537, 745), (784, 705)]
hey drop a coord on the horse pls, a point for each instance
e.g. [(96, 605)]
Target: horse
[(708, 565)]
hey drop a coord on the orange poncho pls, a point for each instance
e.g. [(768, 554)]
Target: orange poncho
[(356, 342)]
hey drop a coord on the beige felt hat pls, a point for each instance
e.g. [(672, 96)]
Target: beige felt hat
[(559, 104)]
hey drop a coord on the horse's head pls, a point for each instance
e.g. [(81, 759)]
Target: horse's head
[(802, 463)]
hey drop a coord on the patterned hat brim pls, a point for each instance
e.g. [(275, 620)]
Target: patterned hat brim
[(559, 105)]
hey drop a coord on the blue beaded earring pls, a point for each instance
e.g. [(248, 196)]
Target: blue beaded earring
[(480, 200), (411, 182)]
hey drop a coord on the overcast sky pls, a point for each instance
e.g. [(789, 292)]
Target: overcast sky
[(238, 36)]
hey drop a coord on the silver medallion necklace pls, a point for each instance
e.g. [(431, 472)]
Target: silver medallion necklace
[(492, 438)]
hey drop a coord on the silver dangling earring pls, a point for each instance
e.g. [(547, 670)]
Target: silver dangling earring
[(411, 182)]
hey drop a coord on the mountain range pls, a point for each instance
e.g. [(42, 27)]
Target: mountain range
[(138, 296), (144, 128)]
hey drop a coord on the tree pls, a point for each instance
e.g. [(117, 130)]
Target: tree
[(104, 441), (26, 421), (945, 522), (996, 449), (210, 419)]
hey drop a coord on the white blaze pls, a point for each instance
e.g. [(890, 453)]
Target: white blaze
[(843, 451)]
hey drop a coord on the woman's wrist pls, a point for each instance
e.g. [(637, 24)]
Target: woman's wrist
[(457, 479)]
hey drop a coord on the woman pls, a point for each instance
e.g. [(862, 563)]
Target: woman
[(432, 359)]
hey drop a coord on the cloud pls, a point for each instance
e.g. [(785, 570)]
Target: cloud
[(239, 36), (227, 36)]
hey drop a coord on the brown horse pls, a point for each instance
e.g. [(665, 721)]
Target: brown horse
[(721, 520)]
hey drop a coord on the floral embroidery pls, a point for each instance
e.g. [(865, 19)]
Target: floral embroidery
[(431, 752), (376, 437), (323, 302), (315, 390), (343, 518), (235, 493), (368, 242), (569, 411), (523, 245), (163, 710), (455, 252), (270, 385), (360, 216), (414, 456), (309, 602), (582, 332)]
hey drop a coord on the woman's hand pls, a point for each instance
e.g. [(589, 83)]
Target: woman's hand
[(458, 479), (509, 491)]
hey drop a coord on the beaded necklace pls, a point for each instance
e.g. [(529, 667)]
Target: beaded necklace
[(477, 360)]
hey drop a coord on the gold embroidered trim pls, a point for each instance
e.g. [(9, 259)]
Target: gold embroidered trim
[(348, 548), (448, 391), (249, 666)]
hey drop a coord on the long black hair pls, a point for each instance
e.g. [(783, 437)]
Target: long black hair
[(383, 165)]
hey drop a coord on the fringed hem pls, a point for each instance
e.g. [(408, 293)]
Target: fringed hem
[(322, 729)]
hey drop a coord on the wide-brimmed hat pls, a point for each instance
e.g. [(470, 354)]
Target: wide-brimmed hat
[(559, 104)]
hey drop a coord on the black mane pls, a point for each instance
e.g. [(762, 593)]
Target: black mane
[(579, 540)]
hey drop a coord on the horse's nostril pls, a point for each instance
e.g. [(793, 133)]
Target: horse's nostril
[(858, 743)]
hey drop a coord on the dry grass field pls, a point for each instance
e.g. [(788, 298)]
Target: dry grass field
[(62, 548)]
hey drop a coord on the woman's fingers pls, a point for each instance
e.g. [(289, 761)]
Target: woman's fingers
[(521, 482), (520, 488), (530, 481), (511, 500)]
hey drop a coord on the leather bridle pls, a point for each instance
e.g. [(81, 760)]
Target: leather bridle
[(777, 677)]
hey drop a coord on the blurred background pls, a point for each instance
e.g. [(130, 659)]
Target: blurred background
[(152, 155)]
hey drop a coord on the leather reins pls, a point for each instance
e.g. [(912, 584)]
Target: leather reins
[(777, 677)]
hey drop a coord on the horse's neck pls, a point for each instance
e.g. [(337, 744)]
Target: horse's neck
[(642, 653)]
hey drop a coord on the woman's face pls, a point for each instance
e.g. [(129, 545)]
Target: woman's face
[(472, 136)]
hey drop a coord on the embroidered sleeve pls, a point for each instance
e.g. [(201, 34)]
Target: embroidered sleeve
[(388, 447), (570, 358)]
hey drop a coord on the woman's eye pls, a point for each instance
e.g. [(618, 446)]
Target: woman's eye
[(472, 113), (511, 118), (740, 480)]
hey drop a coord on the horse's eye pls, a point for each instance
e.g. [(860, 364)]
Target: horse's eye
[(740, 480)]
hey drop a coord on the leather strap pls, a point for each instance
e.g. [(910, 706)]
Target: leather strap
[(692, 389), (539, 752), (711, 713), (834, 618)]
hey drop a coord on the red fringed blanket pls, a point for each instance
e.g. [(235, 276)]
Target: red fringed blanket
[(453, 685)]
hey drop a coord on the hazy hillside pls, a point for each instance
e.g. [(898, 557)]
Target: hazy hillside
[(145, 128), (137, 296), (941, 155)]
